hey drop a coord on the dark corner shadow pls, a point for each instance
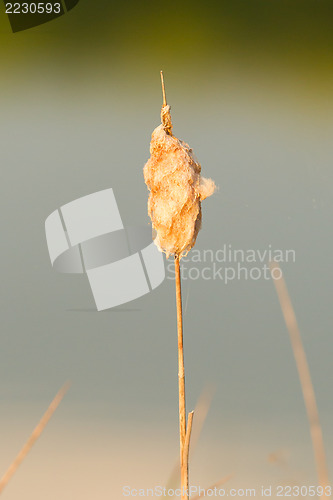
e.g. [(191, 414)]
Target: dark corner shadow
[(114, 309), (24, 15)]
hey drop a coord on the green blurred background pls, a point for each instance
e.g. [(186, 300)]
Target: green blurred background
[(250, 85), (187, 37)]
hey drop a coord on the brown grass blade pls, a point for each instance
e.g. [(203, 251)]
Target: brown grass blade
[(304, 376), (33, 438), (186, 450)]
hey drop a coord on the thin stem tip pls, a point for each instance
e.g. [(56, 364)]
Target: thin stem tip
[(163, 90)]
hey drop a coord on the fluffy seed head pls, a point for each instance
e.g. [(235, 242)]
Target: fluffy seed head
[(172, 175)]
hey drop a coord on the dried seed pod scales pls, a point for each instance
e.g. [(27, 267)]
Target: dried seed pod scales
[(172, 175)]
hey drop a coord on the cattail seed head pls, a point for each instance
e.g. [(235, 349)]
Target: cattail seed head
[(172, 175)]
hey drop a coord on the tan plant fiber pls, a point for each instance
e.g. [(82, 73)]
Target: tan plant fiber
[(172, 175)]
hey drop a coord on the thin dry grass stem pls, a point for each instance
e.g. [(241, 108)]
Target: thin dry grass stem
[(34, 436), (181, 385), (305, 377), (163, 90), (188, 437), (215, 485), (201, 410)]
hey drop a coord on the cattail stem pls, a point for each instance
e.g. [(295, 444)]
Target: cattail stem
[(305, 379), (181, 381), (163, 89)]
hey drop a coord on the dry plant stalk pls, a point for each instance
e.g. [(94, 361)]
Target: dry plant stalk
[(184, 479), (33, 438), (304, 376), (172, 175), (201, 411)]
